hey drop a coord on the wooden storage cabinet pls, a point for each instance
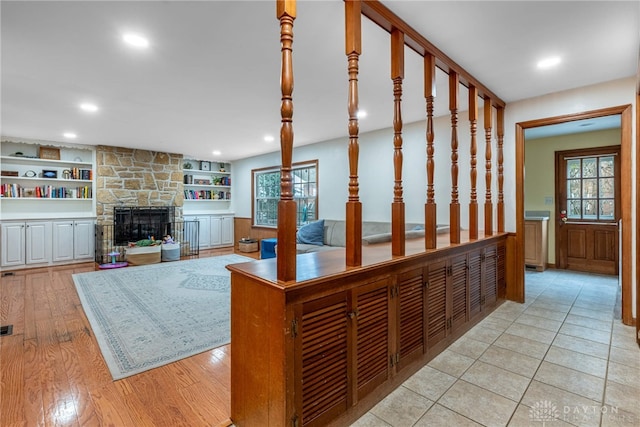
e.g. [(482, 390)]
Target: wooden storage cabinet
[(535, 243), (349, 339), (342, 349)]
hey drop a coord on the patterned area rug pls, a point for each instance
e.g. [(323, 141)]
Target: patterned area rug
[(147, 316)]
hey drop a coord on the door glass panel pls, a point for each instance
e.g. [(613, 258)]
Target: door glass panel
[(607, 209), (606, 166), (589, 209), (574, 209), (606, 187), (573, 168), (589, 168), (590, 188), (574, 188)]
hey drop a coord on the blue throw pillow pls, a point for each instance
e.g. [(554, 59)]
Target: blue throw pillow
[(312, 233)]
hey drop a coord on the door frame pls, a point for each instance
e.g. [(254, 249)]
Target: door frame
[(625, 112)]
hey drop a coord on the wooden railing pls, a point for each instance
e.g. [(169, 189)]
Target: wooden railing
[(302, 351), (401, 34)]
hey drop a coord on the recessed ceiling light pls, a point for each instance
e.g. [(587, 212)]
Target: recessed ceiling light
[(216, 152), (70, 135), (135, 40), (361, 114), (91, 108), (269, 138), (549, 62)]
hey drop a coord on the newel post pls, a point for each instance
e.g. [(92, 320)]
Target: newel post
[(286, 259), (353, 16)]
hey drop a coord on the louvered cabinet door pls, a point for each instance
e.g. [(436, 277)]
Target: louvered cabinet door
[(475, 281), (501, 270), (321, 359), (372, 336), (489, 275), (436, 303), (411, 316), (459, 291)]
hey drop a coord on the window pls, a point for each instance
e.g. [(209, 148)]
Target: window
[(266, 193), (591, 187)]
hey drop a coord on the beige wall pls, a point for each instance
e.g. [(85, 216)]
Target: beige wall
[(539, 180)]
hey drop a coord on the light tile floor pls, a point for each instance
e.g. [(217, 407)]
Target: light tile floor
[(560, 359)]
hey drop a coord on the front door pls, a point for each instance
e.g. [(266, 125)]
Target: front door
[(588, 195)]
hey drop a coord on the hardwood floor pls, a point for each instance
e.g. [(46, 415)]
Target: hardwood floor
[(52, 371)]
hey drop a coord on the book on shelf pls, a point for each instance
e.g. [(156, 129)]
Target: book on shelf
[(16, 191), (84, 174), (207, 195)]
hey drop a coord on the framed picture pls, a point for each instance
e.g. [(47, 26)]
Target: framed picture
[(49, 153), (202, 182), (205, 166), (49, 173)]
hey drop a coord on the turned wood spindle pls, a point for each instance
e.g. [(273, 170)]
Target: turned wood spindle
[(473, 173), (353, 48), (500, 131), (454, 206), (397, 207), (430, 220), (488, 204)]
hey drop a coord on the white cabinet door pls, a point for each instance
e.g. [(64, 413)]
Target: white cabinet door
[(13, 244), (62, 240), (221, 231), (38, 245), (216, 231), (83, 239), (227, 231), (204, 231)]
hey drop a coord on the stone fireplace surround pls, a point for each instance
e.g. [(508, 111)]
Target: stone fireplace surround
[(130, 177)]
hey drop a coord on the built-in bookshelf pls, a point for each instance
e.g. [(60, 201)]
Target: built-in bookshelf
[(208, 182), (33, 173)]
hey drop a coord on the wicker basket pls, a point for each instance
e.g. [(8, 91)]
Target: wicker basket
[(141, 255)]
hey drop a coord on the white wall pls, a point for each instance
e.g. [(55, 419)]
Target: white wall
[(375, 172)]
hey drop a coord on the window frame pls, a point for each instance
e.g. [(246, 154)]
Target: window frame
[(255, 173)]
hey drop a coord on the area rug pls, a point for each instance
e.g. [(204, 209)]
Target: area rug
[(147, 316)]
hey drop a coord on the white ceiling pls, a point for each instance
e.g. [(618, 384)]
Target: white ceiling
[(210, 78)]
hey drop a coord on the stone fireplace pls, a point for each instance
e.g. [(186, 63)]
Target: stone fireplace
[(129, 178)]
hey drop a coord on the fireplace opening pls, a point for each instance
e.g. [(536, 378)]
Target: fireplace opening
[(133, 223)]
